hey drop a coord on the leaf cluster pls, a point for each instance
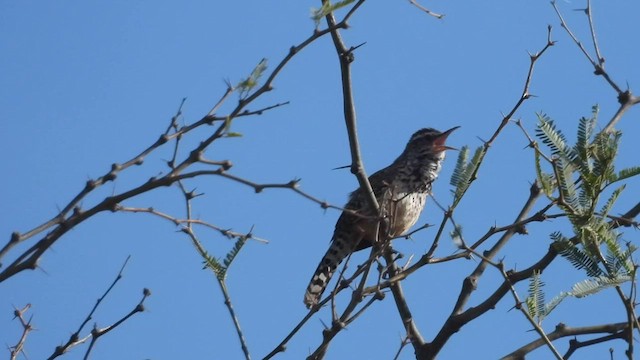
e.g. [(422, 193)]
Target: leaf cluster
[(464, 172), (580, 175), (327, 7), (248, 84), (220, 267)]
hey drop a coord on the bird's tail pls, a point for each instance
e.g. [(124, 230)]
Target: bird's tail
[(339, 249)]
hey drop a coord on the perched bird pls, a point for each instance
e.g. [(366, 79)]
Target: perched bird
[(401, 190)]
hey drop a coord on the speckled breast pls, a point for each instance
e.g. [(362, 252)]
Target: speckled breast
[(404, 210)]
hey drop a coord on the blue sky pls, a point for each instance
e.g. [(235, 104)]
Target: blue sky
[(86, 85)]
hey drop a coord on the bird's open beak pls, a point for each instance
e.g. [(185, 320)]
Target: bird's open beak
[(439, 142)]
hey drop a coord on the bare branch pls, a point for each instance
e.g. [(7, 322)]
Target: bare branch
[(236, 322), (593, 33), (18, 348), (470, 283), (525, 91), (224, 232), (429, 12), (413, 333), (97, 333), (75, 340), (617, 330), (625, 98)]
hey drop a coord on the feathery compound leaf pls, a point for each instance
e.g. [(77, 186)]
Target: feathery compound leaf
[(612, 199), (566, 185), (619, 261), (548, 308), (629, 265), (577, 257), (535, 300), (557, 236), (591, 286), (605, 148), (218, 269), (231, 255), (625, 174), (554, 139), (582, 147), (461, 164), (545, 180), (465, 174), (475, 161), (586, 197)]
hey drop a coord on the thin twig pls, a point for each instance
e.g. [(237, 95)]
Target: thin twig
[(599, 69), (75, 339), (470, 282), (96, 333), (562, 331), (404, 342), (429, 12), (236, 322), (404, 311), (625, 98), (593, 34), (225, 232), (533, 58), (18, 348)]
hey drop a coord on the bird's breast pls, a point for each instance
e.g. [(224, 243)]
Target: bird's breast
[(403, 211)]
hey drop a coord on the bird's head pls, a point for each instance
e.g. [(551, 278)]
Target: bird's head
[(430, 140)]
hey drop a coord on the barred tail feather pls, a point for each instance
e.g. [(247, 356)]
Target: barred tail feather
[(340, 247)]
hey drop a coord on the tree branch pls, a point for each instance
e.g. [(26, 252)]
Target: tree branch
[(75, 339), (617, 330), (18, 348)]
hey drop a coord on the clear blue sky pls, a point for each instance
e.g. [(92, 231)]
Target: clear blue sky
[(85, 85)]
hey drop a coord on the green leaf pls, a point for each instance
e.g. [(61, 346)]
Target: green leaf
[(535, 300), (231, 255), (612, 199), (594, 285), (577, 257), (227, 128), (618, 261), (582, 146), (566, 185), (554, 139), (250, 82), (545, 180), (218, 269), (461, 164), (605, 148), (327, 8), (625, 174), (548, 308), (465, 174)]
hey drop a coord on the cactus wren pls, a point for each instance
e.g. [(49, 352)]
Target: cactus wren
[(401, 190)]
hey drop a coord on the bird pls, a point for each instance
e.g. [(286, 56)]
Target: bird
[(401, 191)]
